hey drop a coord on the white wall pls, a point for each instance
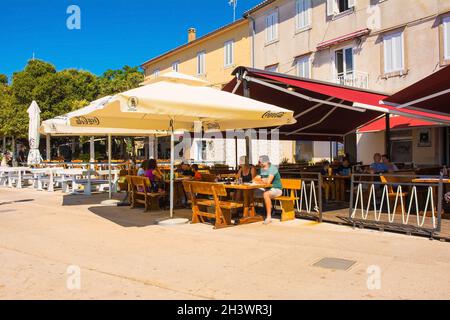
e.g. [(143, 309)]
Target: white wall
[(368, 144)]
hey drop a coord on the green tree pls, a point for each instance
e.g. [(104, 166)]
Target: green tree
[(115, 81), (56, 92), (3, 79)]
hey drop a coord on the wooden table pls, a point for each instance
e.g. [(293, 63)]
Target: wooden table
[(178, 192), (248, 189), (431, 180)]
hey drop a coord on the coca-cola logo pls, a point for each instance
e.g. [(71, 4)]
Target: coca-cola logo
[(87, 121), (273, 115)]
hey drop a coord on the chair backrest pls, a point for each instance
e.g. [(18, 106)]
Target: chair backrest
[(291, 184), (138, 184), (209, 177), (205, 188), (404, 177)]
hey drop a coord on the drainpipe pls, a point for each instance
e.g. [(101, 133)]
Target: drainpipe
[(253, 27)]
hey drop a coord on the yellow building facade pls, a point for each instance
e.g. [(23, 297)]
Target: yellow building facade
[(212, 57)]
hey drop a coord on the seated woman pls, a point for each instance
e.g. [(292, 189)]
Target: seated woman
[(246, 174), (155, 176)]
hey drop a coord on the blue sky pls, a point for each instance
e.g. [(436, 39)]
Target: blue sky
[(113, 33)]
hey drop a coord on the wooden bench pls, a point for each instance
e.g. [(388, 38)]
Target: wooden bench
[(291, 187), (139, 194), (213, 192)]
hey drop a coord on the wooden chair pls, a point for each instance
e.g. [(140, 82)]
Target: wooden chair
[(222, 209), (391, 180), (139, 194), (291, 187)]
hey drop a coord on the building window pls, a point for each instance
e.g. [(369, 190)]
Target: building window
[(272, 26), (344, 62), (272, 68), (393, 52), (338, 6), (303, 14), (176, 66), (155, 73), (446, 37), (402, 146), (303, 65), (229, 53), (201, 63)]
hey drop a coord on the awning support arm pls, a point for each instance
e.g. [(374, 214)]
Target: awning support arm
[(412, 103)]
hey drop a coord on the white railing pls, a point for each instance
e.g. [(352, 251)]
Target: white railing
[(355, 79)]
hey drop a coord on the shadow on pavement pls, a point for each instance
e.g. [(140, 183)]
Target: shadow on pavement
[(128, 218)]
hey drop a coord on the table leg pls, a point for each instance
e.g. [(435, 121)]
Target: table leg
[(50, 184), (87, 187), (10, 183), (249, 209), (19, 181)]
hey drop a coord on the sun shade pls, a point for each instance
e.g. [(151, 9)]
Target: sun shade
[(431, 94), (324, 111), (397, 123)]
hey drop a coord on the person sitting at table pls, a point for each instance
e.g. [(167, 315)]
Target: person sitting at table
[(155, 176), (197, 174), (246, 171), (345, 169), (186, 170), (391, 166), (142, 168), (246, 174), (378, 166), (270, 175), (328, 183)]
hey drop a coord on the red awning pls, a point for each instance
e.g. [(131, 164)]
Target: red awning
[(432, 87), (324, 111), (347, 37), (397, 123)]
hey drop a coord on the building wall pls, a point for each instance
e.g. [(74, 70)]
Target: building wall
[(213, 45), (374, 142), (420, 20)]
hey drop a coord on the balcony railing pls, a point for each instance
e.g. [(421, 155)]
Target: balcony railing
[(355, 79)]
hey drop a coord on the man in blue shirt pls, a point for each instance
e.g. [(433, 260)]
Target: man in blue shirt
[(378, 166), (269, 174)]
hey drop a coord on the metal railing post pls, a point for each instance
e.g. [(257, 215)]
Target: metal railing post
[(352, 189), (320, 198), (440, 199)]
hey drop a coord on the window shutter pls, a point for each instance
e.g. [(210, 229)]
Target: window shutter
[(387, 55), (398, 52), (330, 7), (308, 12), (351, 3), (275, 25), (446, 38)]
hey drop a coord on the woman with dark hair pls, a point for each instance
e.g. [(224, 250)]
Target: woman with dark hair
[(154, 175)]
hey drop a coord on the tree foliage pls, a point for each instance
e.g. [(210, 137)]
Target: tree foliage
[(56, 92)]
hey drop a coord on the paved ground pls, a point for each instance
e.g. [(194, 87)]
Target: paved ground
[(122, 254)]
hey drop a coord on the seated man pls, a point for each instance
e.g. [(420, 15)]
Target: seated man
[(269, 174), (345, 169), (378, 166), (391, 166)]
